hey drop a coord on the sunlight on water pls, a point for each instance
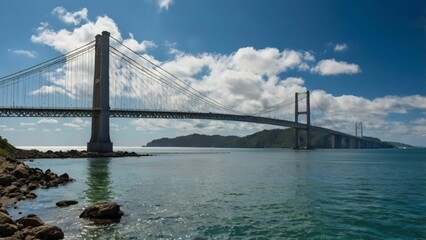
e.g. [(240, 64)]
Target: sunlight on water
[(233, 193)]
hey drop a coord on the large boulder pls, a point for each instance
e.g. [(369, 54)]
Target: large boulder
[(103, 210)]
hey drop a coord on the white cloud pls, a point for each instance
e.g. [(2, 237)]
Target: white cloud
[(333, 67), (164, 4), (136, 46), (9, 129), (71, 18), (49, 121), (341, 112), (27, 124), (53, 90), (340, 47), (420, 121), (77, 123), (26, 53)]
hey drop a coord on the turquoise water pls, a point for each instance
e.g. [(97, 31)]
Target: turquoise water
[(184, 193)]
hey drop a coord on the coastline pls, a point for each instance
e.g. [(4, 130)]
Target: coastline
[(18, 181), (21, 154)]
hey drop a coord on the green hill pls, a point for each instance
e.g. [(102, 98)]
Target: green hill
[(5, 147), (193, 140), (275, 138)]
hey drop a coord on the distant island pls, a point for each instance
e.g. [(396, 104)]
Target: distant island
[(276, 138)]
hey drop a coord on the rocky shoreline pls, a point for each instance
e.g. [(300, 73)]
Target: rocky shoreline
[(18, 181), (20, 154)]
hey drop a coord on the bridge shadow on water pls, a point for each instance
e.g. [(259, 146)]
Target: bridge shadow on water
[(98, 180)]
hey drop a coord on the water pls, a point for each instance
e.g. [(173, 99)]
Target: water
[(184, 193)]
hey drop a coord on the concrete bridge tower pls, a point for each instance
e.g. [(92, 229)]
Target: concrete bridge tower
[(100, 140), (307, 112)]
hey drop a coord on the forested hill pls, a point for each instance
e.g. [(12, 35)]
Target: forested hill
[(193, 140), (276, 138), (5, 147)]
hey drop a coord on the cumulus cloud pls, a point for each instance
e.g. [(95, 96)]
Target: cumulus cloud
[(71, 18), (27, 124), (48, 121), (9, 129), (340, 47), (420, 121), (333, 67), (341, 112), (26, 53), (164, 4), (77, 123)]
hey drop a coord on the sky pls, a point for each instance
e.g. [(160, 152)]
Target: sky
[(363, 61)]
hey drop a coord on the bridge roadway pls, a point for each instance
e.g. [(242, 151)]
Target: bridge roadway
[(70, 112)]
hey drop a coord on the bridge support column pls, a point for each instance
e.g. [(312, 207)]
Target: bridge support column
[(100, 140), (308, 121)]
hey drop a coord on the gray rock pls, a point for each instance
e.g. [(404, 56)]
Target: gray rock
[(103, 210), (66, 203)]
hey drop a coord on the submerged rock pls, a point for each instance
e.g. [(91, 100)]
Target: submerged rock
[(66, 203), (103, 210)]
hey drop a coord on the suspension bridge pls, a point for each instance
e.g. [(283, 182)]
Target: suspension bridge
[(105, 78)]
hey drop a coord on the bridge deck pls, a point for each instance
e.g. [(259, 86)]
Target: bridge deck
[(32, 112)]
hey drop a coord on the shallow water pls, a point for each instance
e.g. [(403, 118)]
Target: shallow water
[(204, 193)]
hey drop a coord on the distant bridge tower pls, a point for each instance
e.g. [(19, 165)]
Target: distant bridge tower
[(100, 140), (358, 128), (307, 112)]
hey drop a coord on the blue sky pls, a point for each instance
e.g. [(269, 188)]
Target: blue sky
[(365, 61)]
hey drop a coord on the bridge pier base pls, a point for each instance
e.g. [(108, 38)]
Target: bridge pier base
[(100, 141)]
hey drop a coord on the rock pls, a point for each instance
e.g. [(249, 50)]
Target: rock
[(32, 186), (21, 171), (7, 229), (48, 232), (10, 189), (31, 195), (5, 218), (2, 210), (31, 220), (6, 179), (102, 210), (66, 203), (64, 177)]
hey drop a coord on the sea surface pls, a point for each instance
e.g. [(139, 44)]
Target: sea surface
[(209, 193)]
